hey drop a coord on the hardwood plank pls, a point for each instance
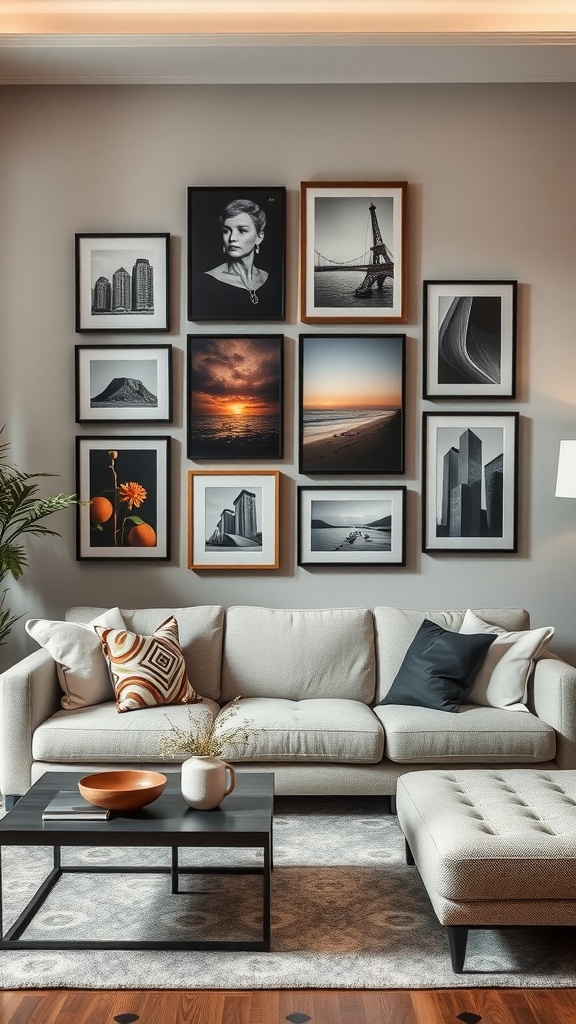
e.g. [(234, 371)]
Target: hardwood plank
[(264, 1008), (394, 1007)]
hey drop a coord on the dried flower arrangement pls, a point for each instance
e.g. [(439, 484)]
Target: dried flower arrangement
[(208, 736)]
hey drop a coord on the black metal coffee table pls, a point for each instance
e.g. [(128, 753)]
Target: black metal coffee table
[(243, 820)]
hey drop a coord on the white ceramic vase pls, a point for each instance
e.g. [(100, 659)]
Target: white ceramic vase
[(206, 781)]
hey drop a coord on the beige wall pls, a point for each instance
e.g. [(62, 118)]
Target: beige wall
[(491, 195)]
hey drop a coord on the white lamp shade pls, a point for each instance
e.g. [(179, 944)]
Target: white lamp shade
[(566, 479)]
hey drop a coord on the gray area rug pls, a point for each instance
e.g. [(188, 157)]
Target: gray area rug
[(347, 912)]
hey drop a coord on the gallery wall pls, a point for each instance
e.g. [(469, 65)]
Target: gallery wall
[(490, 172)]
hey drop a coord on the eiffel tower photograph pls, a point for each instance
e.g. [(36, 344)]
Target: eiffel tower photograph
[(353, 252)]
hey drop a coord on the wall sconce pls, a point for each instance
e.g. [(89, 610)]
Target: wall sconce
[(566, 479)]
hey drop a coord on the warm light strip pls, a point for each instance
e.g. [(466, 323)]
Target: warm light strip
[(291, 17)]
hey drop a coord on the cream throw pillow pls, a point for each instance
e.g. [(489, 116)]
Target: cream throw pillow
[(147, 670), (82, 670), (503, 676)]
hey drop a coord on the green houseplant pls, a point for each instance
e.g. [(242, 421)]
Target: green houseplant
[(21, 511)]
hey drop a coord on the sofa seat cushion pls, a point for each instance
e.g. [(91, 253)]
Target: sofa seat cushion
[(309, 730), (299, 655), (475, 734), (100, 734)]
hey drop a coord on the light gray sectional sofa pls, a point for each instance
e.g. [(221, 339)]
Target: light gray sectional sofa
[(311, 682)]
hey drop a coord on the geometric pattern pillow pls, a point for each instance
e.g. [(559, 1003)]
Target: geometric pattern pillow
[(147, 671)]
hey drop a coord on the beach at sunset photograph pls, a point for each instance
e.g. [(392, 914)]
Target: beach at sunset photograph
[(234, 396), (352, 404)]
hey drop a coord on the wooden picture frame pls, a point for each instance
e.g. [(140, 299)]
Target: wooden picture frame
[(122, 282), (233, 519), (123, 383), (236, 253), (352, 526), (353, 252), (470, 482), (234, 396), (469, 339), (351, 403), (123, 485)]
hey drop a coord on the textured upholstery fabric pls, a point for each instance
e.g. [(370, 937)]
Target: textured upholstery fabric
[(502, 679), (297, 655), (490, 837), (313, 730), (200, 630), (551, 692), (100, 734), (426, 736), (437, 668), (147, 670), (397, 627), (82, 670)]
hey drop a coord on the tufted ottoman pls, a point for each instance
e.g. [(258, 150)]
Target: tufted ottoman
[(493, 848)]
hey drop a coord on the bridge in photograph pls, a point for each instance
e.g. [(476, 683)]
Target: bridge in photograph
[(377, 261)]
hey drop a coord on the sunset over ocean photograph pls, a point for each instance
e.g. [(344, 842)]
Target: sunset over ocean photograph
[(235, 396), (352, 403)]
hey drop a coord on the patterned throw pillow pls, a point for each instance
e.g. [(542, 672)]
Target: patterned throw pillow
[(147, 670)]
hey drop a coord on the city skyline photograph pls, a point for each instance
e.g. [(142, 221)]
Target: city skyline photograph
[(122, 282)]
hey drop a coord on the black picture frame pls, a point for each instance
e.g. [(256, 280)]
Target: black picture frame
[(470, 482), (353, 252), (123, 383), (229, 250), (470, 339), (234, 396), (123, 486), (352, 526), (351, 403), (122, 282)]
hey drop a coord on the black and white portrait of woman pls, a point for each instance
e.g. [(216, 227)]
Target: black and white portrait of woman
[(236, 245)]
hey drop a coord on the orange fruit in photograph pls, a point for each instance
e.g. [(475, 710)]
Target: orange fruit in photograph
[(100, 510), (142, 536)]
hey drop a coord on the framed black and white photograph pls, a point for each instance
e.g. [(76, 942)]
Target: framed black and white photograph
[(351, 526), (352, 401), (233, 519), (470, 339), (122, 282), (123, 484), (470, 481), (236, 253), (235, 396), (353, 252), (123, 383)]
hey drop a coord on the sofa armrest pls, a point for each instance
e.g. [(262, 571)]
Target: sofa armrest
[(552, 696), (29, 694)]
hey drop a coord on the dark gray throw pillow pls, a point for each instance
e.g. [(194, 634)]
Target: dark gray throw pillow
[(438, 668)]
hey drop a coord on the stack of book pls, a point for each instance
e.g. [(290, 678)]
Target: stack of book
[(68, 804)]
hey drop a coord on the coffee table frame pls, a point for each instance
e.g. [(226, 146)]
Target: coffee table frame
[(243, 821)]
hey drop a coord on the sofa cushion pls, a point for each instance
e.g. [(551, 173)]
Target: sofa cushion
[(80, 664), (200, 630), (147, 670), (438, 667), (502, 679), (309, 730), (99, 734), (397, 627), (475, 734), (299, 655)]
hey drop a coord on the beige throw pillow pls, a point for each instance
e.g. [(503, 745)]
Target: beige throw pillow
[(82, 669), (147, 670), (503, 677)]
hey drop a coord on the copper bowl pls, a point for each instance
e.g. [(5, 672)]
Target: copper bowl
[(122, 791)]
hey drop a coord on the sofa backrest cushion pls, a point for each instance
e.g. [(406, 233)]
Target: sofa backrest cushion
[(397, 627), (299, 654), (200, 629)]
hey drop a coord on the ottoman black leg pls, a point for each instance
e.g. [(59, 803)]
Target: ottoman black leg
[(408, 853), (457, 939)]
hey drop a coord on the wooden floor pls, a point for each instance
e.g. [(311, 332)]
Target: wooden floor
[(470, 1006)]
